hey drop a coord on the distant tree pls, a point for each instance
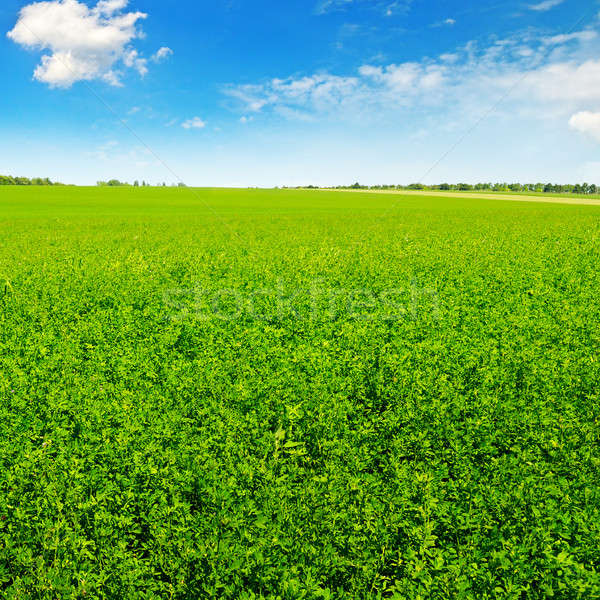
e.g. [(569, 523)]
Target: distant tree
[(136, 183), (111, 183), (9, 180)]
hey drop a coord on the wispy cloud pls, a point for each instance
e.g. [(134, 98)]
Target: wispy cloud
[(445, 23), (541, 76), (325, 6), (194, 123), (545, 5), (113, 153), (82, 43), (105, 151), (385, 7), (162, 54)]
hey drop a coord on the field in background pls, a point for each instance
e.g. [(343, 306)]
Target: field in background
[(293, 394), (587, 199)]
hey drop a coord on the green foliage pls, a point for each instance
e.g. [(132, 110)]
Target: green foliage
[(8, 180), (116, 183), (548, 188), (148, 452)]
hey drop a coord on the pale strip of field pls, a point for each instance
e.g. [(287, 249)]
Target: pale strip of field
[(482, 196)]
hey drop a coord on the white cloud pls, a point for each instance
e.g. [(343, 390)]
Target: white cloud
[(535, 75), (162, 54), (449, 57), (325, 6), (406, 79), (371, 88), (445, 23), (545, 5), (194, 123), (586, 122), (82, 43), (566, 82), (109, 7), (132, 59), (386, 7), (586, 35)]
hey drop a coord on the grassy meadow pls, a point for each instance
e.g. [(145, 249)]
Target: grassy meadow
[(245, 394)]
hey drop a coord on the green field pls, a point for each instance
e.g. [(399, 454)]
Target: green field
[(292, 394)]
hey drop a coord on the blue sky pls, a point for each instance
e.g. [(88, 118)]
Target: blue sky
[(244, 93)]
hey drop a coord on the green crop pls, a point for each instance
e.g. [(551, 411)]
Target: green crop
[(293, 394)]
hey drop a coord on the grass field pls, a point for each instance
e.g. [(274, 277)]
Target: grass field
[(292, 394)]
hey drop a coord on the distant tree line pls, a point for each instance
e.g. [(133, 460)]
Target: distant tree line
[(136, 183), (8, 180), (111, 183), (547, 188)]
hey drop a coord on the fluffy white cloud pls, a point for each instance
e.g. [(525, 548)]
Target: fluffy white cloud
[(109, 7), (82, 43), (162, 54), (194, 123), (132, 59), (587, 122), (546, 5)]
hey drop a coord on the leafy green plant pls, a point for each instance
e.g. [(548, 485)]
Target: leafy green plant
[(147, 451)]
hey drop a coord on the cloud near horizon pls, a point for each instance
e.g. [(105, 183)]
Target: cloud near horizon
[(83, 43), (587, 122)]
